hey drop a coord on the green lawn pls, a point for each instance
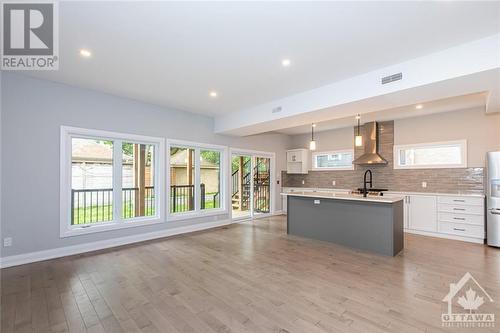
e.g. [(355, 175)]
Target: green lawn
[(96, 214)]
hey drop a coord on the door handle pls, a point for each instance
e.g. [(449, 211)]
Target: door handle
[(495, 211)]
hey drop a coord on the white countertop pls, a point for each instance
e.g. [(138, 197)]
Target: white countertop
[(397, 193), (342, 195)]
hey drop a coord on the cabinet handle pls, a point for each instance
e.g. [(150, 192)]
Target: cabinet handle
[(459, 218), (458, 229), (458, 208), (457, 200)]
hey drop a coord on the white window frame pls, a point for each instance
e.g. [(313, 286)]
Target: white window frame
[(197, 212), (254, 154), (461, 143), (67, 134), (331, 152)]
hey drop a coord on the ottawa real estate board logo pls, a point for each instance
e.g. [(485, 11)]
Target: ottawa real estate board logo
[(464, 301), (30, 36)]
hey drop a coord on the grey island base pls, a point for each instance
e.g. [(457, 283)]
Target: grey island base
[(370, 224)]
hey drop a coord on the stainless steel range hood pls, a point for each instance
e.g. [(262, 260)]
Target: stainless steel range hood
[(370, 156)]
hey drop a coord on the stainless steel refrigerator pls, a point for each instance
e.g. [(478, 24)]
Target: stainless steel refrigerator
[(493, 199)]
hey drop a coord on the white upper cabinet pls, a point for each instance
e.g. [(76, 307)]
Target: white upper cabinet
[(297, 161)]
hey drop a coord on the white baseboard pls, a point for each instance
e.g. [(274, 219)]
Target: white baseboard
[(27, 258), (279, 212), (440, 235)]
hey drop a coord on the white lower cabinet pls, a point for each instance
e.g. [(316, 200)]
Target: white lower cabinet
[(445, 216), (422, 213)]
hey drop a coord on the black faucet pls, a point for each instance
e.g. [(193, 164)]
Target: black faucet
[(365, 190)]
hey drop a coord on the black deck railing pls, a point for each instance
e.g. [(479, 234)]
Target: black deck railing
[(182, 198), (91, 205), (261, 198), (96, 205)]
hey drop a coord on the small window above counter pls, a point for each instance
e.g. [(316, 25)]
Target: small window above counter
[(297, 161)]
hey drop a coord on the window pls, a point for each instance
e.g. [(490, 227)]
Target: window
[(182, 169), (210, 173), (333, 160), (196, 179), (138, 175), (451, 154), (108, 180), (91, 181)]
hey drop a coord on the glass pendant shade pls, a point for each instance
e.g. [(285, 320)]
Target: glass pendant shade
[(358, 141), (312, 145)]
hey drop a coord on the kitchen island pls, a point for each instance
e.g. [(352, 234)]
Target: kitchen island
[(373, 224)]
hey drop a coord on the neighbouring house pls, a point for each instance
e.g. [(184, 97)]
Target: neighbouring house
[(92, 166), (209, 171)]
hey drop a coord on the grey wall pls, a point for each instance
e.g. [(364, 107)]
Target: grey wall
[(34, 110), (1, 233)]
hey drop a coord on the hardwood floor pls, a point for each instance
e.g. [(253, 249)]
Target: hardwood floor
[(248, 277)]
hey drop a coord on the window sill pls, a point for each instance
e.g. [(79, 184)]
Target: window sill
[(194, 215), (109, 226)]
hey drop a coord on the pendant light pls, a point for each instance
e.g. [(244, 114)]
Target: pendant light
[(312, 144), (358, 140)]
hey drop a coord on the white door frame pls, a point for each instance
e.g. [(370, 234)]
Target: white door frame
[(272, 181)]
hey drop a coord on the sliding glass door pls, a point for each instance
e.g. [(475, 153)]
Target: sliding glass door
[(250, 185), (241, 176), (261, 185)]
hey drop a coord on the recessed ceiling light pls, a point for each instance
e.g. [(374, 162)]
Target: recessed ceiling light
[(419, 106), (85, 53), (285, 62), (213, 94)]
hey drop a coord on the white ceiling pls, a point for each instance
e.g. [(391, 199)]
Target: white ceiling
[(174, 53), (477, 100)]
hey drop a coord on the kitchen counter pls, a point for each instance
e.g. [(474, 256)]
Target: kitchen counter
[(287, 190), (373, 224), (345, 196)]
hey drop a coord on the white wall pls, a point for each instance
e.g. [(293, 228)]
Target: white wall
[(481, 130), (341, 138), (34, 110)]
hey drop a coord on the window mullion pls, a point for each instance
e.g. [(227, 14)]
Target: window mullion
[(117, 180), (197, 181)]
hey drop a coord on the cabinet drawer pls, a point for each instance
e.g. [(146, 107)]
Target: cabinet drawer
[(461, 201), (461, 209), (461, 218), (460, 229)]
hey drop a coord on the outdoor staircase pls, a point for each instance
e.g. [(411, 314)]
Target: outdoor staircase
[(240, 197), (235, 202)]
